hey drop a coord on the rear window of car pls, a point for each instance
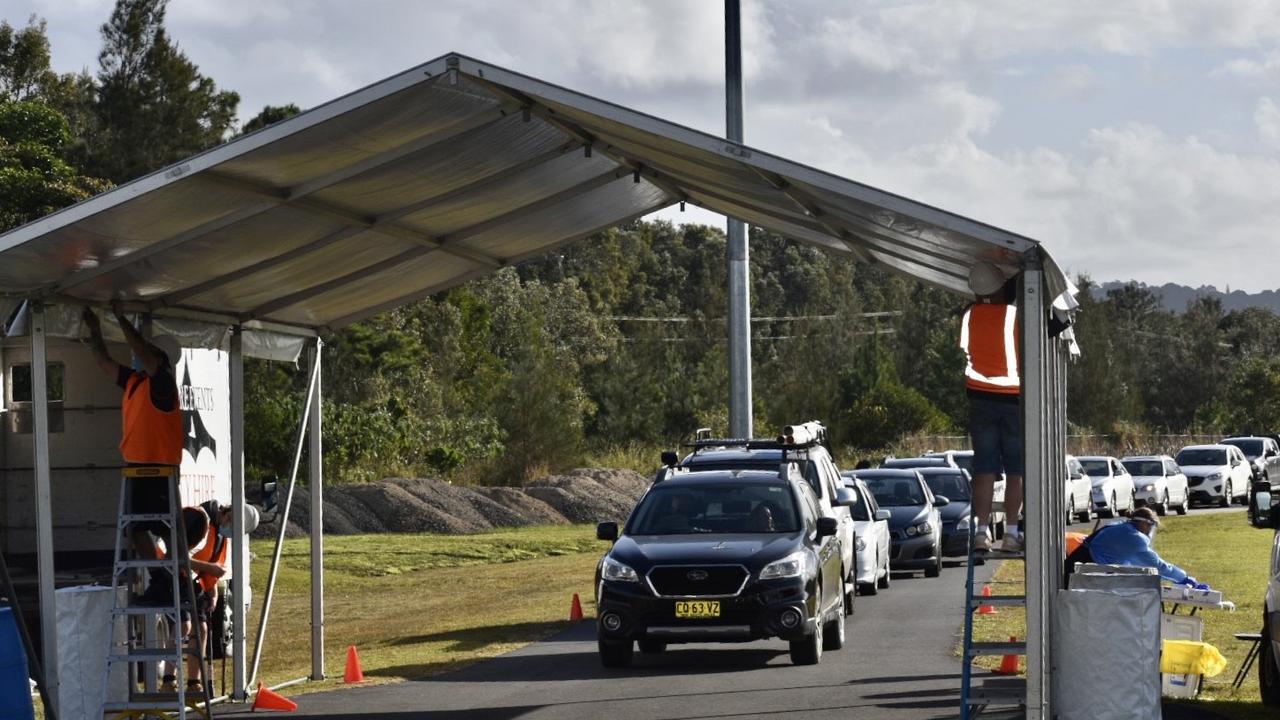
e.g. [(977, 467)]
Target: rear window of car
[(1251, 448), (1144, 467), (952, 486), (723, 507), (1204, 456), (895, 492)]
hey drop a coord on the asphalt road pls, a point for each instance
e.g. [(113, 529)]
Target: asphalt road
[(898, 663)]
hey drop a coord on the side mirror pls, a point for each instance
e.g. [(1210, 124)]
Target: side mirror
[(846, 497), (941, 501), (1264, 513), (670, 458), (827, 526), (268, 496), (883, 514), (607, 531)]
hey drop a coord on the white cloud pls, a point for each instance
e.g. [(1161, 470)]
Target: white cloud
[(1072, 81), (1267, 119)]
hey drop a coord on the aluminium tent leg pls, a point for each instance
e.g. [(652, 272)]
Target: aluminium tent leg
[(44, 500), (284, 521), (239, 569), (315, 476)]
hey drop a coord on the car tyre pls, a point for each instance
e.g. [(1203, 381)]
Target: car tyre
[(833, 632), (615, 653), (883, 582), (935, 569), (870, 588), (1268, 669), (1071, 510), (850, 590), (652, 646), (808, 649), (1186, 503), (1163, 508), (1225, 499), (1110, 510)]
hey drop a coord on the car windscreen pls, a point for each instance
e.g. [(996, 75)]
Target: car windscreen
[(860, 510), (1144, 467), (720, 507), (757, 463), (1204, 456), (907, 463), (895, 492), (952, 486), (1095, 468), (1251, 448)]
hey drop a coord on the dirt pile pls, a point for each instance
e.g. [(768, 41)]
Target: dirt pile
[(413, 505)]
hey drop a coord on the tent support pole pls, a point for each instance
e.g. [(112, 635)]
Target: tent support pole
[(1039, 514), (315, 476), (239, 542), (284, 523), (44, 500), (739, 311)]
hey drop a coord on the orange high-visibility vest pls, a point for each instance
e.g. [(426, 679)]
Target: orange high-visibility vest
[(989, 338), (214, 551), (150, 435)]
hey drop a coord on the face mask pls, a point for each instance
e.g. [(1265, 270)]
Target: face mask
[(137, 364)]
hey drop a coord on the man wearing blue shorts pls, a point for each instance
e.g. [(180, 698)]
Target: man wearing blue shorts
[(989, 337)]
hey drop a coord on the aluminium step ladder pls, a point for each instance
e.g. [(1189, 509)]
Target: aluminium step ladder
[(143, 646), (996, 691)]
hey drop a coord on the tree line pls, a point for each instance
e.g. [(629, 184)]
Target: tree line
[(617, 341)]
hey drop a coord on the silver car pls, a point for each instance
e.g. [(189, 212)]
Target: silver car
[(1159, 483), (871, 528)]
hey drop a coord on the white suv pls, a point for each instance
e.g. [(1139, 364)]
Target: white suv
[(1216, 473), (1112, 485)]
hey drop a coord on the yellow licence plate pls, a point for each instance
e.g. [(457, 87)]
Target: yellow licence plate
[(698, 609)]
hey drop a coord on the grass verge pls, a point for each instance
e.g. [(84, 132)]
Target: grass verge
[(1220, 549), (416, 605)]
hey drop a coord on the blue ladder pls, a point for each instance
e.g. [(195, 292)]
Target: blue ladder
[(1008, 692)]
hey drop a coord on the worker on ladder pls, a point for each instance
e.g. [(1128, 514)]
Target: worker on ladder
[(989, 338), (151, 427)]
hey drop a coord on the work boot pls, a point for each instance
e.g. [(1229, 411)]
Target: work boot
[(982, 541), (1012, 542)]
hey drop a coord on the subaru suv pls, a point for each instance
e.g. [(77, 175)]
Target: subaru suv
[(722, 556)]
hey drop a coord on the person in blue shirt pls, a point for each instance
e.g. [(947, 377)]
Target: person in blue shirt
[(1129, 543)]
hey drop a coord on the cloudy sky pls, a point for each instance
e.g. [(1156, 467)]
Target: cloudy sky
[(1138, 139)]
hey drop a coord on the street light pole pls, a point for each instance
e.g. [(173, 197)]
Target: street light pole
[(739, 310)]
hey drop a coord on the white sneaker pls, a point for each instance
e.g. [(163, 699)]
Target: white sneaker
[(982, 541), (1012, 542)]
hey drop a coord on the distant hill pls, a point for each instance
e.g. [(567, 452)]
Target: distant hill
[(1175, 297)]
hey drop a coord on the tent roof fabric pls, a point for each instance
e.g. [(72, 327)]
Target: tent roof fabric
[(436, 176)]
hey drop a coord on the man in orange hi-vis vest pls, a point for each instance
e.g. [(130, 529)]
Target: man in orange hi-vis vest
[(989, 338), (151, 431)]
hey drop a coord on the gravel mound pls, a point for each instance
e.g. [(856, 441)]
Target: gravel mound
[(426, 505)]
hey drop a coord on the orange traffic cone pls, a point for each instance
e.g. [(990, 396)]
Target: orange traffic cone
[(1009, 665), (986, 609), (575, 610), (268, 699), (353, 673)]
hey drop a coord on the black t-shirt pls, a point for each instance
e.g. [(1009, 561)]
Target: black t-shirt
[(164, 389)]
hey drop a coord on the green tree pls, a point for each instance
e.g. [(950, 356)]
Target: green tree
[(34, 179), (153, 107), (270, 115)]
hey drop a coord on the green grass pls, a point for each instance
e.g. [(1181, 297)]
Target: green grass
[(416, 605), (1220, 549)]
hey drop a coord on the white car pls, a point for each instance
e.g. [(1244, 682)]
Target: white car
[(871, 528), (1216, 473), (1079, 493), (1159, 483), (1112, 485)]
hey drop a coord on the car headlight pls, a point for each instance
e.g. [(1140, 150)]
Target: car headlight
[(617, 572), (1148, 487), (1214, 476), (923, 528), (792, 565), (963, 523), (860, 544)]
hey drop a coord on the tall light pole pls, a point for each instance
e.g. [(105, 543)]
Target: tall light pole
[(739, 311)]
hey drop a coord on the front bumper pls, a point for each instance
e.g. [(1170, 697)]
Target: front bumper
[(1150, 498), (1205, 491), (956, 542), (914, 553), (754, 614)]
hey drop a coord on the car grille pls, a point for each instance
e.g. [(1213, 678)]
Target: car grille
[(697, 580), (1194, 481)]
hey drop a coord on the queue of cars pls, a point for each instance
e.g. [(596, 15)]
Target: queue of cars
[(748, 539)]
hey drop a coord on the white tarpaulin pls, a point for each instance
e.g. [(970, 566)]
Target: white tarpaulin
[(1107, 654), (84, 626)]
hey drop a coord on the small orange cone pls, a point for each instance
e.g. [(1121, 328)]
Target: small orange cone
[(268, 699), (353, 673), (1009, 665), (575, 610), (986, 609)]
